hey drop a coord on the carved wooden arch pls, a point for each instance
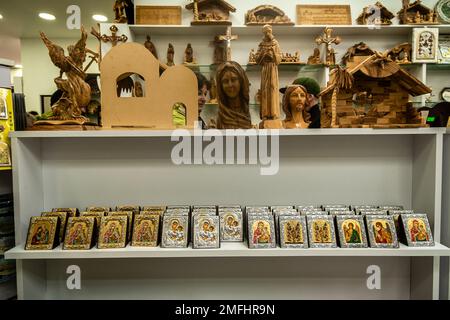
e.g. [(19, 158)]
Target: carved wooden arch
[(177, 84)]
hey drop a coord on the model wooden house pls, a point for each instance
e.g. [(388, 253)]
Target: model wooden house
[(416, 13), (375, 14), (211, 12), (375, 93), (356, 54)]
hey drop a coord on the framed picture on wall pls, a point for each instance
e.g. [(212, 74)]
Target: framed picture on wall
[(46, 105), (425, 45), (444, 48)]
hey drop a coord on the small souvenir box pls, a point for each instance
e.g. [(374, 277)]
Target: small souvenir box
[(206, 232), (261, 231), (352, 232), (98, 209), (274, 208), (308, 207), (321, 232), (130, 216), (396, 215), (113, 232), (174, 231), (151, 212), (366, 212), (417, 231), (43, 233), (154, 208), (80, 233), (96, 214), (133, 209), (391, 207), (314, 212), (231, 226), (293, 231), (62, 222), (328, 207), (381, 231), (356, 208), (341, 212), (71, 212), (145, 230)]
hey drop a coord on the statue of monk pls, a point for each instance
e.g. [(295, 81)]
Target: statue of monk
[(269, 57)]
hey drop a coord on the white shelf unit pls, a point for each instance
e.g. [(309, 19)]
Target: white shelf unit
[(445, 290), (111, 167)]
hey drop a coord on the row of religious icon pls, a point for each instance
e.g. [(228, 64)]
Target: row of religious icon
[(208, 226)]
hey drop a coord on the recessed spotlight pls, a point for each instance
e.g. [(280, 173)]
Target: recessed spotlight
[(18, 66), (46, 16), (1, 17), (99, 18)]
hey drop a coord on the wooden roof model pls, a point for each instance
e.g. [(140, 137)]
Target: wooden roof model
[(378, 67), (223, 3)]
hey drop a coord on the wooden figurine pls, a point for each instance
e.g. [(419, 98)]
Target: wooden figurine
[(269, 57), (295, 101), (227, 38), (401, 54), (328, 40), (219, 53), (267, 14), (233, 95), (211, 12), (76, 92), (315, 58), (151, 47), (213, 91), (120, 15), (375, 93), (189, 55), (416, 13), (356, 54), (375, 14), (170, 55), (289, 58), (161, 92), (252, 57)]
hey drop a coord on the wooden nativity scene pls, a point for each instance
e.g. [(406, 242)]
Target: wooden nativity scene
[(376, 14), (371, 94), (417, 13), (267, 14), (211, 12)]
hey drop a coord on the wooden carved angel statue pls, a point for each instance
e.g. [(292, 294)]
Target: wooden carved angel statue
[(76, 93)]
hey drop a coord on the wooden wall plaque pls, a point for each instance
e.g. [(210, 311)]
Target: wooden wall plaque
[(158, 15), (324, 14)]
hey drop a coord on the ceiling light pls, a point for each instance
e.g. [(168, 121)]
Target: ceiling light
[(46, 16), (99, 18), (1, 17), (18, 66)]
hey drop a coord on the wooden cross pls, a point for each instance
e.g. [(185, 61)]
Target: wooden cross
[(113, 38), (328, 40), (228, 37)]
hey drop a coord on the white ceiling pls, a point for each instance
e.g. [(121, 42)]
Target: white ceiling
[(20, 17)]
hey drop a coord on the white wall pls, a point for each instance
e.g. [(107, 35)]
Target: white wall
[(39, 71)]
